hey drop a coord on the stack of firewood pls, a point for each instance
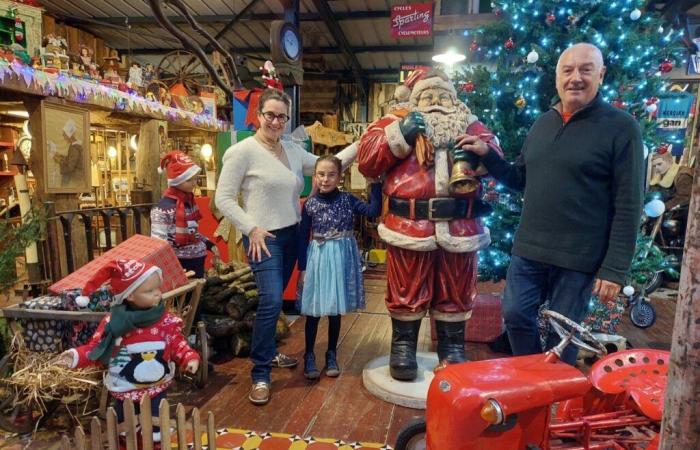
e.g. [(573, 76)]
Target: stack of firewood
[(229, 302)]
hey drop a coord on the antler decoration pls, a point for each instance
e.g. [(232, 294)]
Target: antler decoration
[(193, 46)]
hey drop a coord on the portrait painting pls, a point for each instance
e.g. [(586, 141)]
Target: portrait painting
[(66, 131)]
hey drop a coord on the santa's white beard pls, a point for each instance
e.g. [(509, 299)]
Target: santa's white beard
[(443, 125)]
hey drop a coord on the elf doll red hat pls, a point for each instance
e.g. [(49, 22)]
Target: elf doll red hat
[(123, 275), (178, 167)]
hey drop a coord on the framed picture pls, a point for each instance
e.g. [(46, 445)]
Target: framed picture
[(66, 132)]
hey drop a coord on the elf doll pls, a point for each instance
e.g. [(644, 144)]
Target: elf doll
[(175, 218), (139, 341)]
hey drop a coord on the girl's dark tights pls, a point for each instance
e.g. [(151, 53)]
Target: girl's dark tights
[(311, 328)]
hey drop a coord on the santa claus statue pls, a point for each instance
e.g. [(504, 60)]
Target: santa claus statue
[(432, 214)]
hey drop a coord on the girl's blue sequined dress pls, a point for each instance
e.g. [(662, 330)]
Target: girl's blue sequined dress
[(328, 252)]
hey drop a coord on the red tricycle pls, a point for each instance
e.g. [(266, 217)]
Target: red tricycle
[(537, 402)]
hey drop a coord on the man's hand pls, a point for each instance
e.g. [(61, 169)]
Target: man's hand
[(411, 126), (472, 143), (606, 291), (192, 366)]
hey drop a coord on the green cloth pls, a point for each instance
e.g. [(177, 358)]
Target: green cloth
[(121, 321)]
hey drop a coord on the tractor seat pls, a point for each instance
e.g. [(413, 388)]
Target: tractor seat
[(641, 373)]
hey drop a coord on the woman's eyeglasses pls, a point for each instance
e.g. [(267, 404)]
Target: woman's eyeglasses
[(270, 117)]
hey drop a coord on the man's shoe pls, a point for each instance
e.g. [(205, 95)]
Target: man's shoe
[(310, 370), (332, 368), (260, 393)]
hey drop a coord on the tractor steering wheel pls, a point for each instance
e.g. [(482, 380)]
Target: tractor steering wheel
[(566, 327)]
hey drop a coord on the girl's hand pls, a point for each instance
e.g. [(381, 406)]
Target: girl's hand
[(65, 359), (257, 243), (192, 366)]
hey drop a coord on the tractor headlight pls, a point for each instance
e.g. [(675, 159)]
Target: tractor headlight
[(492, 412)]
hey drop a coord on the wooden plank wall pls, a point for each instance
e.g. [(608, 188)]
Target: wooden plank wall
[(318, 95)]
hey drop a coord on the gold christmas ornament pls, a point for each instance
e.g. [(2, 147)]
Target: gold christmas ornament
[(520, 102)]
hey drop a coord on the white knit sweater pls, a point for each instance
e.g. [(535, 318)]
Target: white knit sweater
[(270, 190)]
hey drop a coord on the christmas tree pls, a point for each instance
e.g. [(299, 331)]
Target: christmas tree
[(511, 80)]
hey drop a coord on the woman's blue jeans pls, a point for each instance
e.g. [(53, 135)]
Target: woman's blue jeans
[(528, 285), (272, 274)]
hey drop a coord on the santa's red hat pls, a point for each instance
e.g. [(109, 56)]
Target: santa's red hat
[(178, 167), (123, 275), (403, 92)]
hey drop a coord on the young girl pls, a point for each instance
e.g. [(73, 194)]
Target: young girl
[(332, 275), (175, 217), (139, 341)]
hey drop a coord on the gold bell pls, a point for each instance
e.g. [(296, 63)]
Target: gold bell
[(462, 179)]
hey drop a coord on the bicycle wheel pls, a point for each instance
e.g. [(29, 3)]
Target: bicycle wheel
[(643, 314)]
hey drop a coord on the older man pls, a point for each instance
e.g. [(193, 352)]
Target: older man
[(432, 228), (581, 169)]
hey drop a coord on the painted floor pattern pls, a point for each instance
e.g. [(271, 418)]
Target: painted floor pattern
[(237, 439)]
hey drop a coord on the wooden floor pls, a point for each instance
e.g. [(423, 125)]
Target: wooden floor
[(339, 408)]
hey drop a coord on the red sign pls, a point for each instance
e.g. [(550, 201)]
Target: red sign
[(412, 20)]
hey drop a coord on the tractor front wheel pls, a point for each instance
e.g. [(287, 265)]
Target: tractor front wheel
[(412, 436)]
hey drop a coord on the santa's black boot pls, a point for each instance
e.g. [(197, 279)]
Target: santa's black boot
[(404, 340), (450, 346)]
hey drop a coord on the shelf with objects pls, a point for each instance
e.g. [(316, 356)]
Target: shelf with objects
[(92, 132)]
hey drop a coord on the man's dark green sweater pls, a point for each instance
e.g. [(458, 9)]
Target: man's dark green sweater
[(584, 186)]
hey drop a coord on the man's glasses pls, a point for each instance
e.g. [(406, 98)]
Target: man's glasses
[(270, 117)]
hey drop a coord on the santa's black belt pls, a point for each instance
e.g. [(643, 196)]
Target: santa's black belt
[(439, 208)]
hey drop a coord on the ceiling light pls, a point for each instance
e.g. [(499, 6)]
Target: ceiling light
[(133, 143), (450, 50), (112, 152)]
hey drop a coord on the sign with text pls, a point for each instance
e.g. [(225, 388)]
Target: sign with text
[(412, 20), (406, 69), (672, 118)]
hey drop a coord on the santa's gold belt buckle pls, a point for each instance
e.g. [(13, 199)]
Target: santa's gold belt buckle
[(432, 209)]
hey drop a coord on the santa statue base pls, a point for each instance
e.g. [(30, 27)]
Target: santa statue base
[(411, 394)]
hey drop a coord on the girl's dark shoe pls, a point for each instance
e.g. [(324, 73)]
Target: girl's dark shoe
[(332, 368), (310, 370)]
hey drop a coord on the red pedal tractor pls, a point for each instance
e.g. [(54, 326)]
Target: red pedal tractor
[(537, 402)]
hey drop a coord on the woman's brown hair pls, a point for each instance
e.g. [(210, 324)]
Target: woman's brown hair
[(273, 94)]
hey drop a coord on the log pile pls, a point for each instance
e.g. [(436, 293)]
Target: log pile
[(229, 301)]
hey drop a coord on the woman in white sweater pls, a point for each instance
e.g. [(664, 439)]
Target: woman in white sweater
[(268, 173)]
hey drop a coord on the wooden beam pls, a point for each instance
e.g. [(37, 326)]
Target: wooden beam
[(223, 18), (242, 13), (307, 51), (463, 22), (334, 28), (680, 426)]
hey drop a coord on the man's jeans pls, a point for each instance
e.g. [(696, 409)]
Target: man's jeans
[(528, 285), (272, 274)]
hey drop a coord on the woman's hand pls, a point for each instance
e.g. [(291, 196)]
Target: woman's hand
[(65, 359), (256, 238), (192, 366), (300, 281)]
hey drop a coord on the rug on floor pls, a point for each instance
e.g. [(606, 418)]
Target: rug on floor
[(237, 439)]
